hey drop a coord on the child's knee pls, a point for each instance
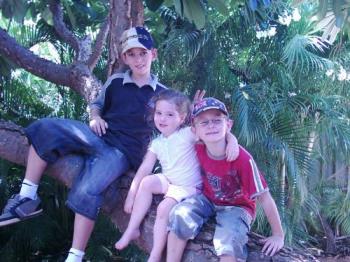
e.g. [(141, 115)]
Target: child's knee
[(164, 208), (182, 224), (147, 183), (81, 201)]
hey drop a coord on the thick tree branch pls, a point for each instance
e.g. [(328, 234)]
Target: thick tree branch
[(32, 63), (100, 41), (82, 47), (12, 135), (61, 27), (77, 76)]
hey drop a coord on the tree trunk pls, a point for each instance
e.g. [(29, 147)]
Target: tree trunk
[(123, 14), (14, 147)]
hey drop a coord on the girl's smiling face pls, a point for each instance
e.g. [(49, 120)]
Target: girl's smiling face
[(167, 118)]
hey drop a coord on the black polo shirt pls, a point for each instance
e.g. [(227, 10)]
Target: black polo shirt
[(125, 107)]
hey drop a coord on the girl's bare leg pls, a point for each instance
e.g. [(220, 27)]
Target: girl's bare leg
[(149, 185), (160, 232)]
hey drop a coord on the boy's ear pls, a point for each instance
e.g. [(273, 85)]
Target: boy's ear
[(154, 52), (229, 124), (124, 57), (193, 129)]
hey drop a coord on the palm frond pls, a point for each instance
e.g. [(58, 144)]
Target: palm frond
[(30, 35), (185, 44), (337, 209), (19, 102), (298, 54), (252, 115)]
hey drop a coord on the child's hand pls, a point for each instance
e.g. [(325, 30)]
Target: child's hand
[(232, 148), (232, 153), (129, 203), (98, 126), (272, 245), (198, 96)]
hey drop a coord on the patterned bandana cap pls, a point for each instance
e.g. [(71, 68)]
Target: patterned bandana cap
[(136, 37), (208, 103)]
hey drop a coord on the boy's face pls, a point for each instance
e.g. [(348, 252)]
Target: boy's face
[(140, 60), (211, 126)]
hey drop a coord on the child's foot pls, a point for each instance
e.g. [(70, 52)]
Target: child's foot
[(126, 238), (18, 209)]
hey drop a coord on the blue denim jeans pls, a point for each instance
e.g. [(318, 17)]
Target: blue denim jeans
[(232, 224), (54, 138)]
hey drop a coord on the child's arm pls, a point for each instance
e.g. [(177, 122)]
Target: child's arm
[(145, 169), (97, 124), (276, 241), (232, 147)]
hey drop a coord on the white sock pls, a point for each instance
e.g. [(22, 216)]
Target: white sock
[(28, 189), (75, 255)]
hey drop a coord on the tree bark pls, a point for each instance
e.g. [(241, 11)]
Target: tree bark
[(14, 147), (123, 15)]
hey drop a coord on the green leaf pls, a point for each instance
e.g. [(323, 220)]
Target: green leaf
[(324, 22), (7, 9), (322, 9), (219, 5), (5, 68), (47, 16), (194, 12), (298, 54), (338, 6), (32, 11), (15, 9), (179, 7), (153, 5), (339, 12), (20, 10), (71, 16)]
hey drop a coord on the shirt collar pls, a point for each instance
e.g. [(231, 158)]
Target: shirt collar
[(153, 82)]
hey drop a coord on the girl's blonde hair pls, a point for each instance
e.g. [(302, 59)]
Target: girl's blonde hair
[(181, 101)]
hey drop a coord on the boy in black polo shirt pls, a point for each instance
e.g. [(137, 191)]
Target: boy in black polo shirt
[(115, 142)]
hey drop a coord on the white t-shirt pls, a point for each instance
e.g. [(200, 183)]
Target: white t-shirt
[(178, 158)]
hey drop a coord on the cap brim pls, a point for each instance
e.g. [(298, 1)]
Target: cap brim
[(208, 108)]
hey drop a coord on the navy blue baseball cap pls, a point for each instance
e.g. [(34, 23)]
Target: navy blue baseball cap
[(136, 37), (208, 103)]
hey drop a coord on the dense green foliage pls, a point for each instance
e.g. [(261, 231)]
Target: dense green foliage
[(290, 104), (288, 92)]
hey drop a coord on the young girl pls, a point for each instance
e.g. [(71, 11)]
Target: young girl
[(180, 177)]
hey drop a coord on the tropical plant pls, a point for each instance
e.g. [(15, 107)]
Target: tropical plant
[(281, 100)]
